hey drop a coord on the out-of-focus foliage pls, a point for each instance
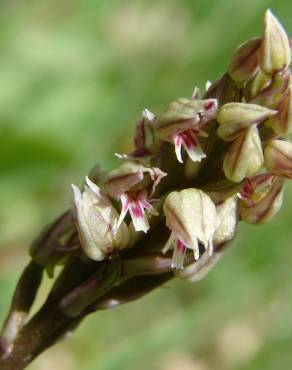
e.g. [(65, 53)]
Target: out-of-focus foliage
[(74, 77)]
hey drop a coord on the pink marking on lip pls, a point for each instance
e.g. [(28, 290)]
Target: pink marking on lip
[(247, 189), (137, 210), (189, 140), (209, 105), (180, 246)]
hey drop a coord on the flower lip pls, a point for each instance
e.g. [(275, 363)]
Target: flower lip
[(184, 122), (134, 185)]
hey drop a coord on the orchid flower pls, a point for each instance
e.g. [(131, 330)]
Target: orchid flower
[(191, 217), (183, 123), (134, 185), (97, 221)]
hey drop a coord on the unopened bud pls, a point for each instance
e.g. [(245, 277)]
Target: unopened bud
[(245, 60), (281, 123), (227, 218), (278, 158), (256, 85), (265, 209), (236, 117), (245, 156), (97, 222), (272, 95), (275, 49)]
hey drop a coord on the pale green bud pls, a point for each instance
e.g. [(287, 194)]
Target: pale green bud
[(227, 218), (234, 118), (256, 85), (272, 95), (245, 156), (245, 60), (275, 49), (281, 123)]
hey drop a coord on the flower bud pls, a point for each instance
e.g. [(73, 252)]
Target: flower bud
[(245, 156), (191, 216), (255, 188), (275, 49), (245, 60), (227, 218), (281, 123), (266, 208), (278, 158), (272, 95), (97, 222), (255, 86), (144, 136), (236, 117)]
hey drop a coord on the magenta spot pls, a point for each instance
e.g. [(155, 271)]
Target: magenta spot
[(189, 140), (137, 210), (247, 189), (209, 105), (180, 246)]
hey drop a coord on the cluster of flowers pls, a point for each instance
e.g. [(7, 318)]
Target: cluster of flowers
[(255, 160), (199, 167)]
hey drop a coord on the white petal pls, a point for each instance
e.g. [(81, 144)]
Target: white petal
[(195, 153), (169, 243), (177, 145), (178, 257), (93, 187)]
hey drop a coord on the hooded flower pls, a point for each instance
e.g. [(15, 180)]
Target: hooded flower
[(97, 222), (278, 158), (143, 139), (134, 185), (183, 122), (191, 217), (261, 198)]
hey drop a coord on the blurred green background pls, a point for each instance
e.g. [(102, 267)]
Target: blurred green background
[(74, 77)]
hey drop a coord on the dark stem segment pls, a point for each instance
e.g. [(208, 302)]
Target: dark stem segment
[(22, 301), (49, 325)]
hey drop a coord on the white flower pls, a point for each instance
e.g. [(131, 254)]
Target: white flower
[(134, 185), (97, 222), (191, 216)]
